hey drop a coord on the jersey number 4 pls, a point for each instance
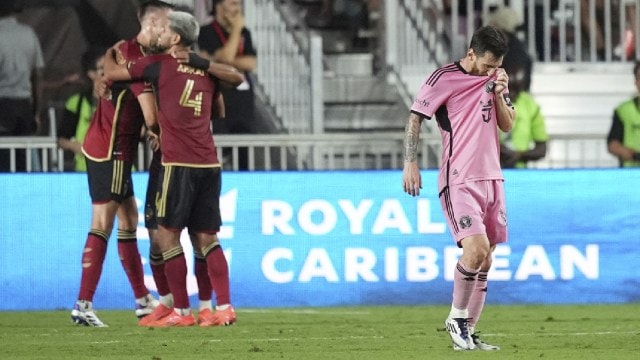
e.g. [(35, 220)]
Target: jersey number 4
[(188, 102)]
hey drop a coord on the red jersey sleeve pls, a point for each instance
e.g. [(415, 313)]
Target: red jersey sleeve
[(140, 87), (142, 68)]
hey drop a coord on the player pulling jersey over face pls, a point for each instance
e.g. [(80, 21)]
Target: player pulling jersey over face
[(469, 99), (464, 106)]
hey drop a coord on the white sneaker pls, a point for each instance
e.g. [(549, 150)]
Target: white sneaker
[(83, 314), (150, 304), (479, 344), (458, 329)]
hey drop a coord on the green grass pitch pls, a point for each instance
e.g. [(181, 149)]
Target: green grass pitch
[(393, 332)]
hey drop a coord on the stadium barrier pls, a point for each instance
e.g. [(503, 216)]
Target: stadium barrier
[(332, 238), (334, 151)]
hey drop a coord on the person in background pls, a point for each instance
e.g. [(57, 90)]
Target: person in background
[(226, 40), (470, 100), (517, 62), (21, 66), (79, 108), (624, 47), (624, 136), (528, 139)]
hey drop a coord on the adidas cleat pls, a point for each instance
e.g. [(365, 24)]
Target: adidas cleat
[(83, 314), (144, 310), (458, 329)]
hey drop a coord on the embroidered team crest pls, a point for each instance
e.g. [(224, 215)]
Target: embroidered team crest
[(465, 221), (489, 86)]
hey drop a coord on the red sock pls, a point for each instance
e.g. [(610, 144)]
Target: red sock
[(131, 262), (175, 268), (219, 274), (202, 277), (157, 269), (93, 255)]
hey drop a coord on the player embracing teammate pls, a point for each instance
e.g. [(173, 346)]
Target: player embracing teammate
[(189, 180)]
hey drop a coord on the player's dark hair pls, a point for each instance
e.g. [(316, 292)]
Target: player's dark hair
[(636, 67), (489, 39), (150, 5), (215, 3), (91, 56)]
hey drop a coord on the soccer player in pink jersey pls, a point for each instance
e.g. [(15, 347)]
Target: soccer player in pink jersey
[(469, 99)]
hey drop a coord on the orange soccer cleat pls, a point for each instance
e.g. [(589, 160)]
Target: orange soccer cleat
[(205, 317), (158, 313), (218, 318), (174, 320)]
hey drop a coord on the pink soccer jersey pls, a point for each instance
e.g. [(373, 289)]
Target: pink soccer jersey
[(464, 107)]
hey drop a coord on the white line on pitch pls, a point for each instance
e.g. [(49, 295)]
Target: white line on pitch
[(305, 312), (305, 339), (564, 334)]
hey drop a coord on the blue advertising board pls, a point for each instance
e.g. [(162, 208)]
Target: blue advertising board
[(341, 238)]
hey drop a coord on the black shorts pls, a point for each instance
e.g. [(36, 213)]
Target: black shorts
[(109, 180), (150, 218), (189, 197)]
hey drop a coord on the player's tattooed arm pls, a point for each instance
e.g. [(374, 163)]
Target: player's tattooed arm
[(412, 137), (411, 178)]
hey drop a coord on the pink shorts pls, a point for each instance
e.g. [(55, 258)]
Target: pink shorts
[(474, 208)]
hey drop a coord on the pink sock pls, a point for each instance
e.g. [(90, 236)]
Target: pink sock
[(477, 298), (464, 281)]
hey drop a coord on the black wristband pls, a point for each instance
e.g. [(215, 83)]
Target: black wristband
[(198, 62), (636, 156)]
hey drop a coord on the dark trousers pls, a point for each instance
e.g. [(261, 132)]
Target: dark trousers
[(16, 119), (240, 119)]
